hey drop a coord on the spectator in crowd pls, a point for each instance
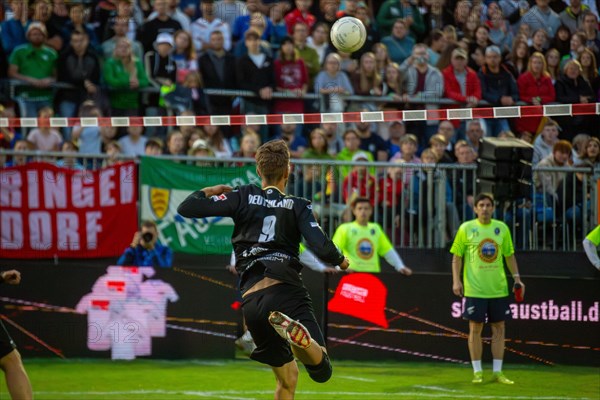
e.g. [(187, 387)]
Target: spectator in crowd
[(91, 138), (573, 15), (300, 14), (248, 145), (257, 23), (438, 15), (538, 42), (255, 72), (113, 151), (314, 175), (512, 11), (399, 43), (162, 23), (17, 381), (364, 242), (590, 244), (370, 141), (572, 88), (319, 40), (8, 135), (242, 22), (591, 156), (77, 23), (474, 134), (359, 182), (545, 141), (154, 147), (363, 15), (80, 67), (124, 74), (500, 33), (45, 138), (390, 197), (518, 58), (547, 183), (306, 53), (350, 149), (446, 129), (423, 83), (69, 159), (409, 145), (392, 87), (203, 27), (277, 13), (589, 70), (293, 139), (291, 77), (19, 159), (333, 132), (498, 87), (536, 88), (572, 198), (134, 143), (129, 11), (438, 144), (553, 64), (481, 41), (42, 13), (576, 46), (393, 10), (461, 82), (101, 16), (175, 143), (184, 55), (13, 30), (121, 29), (436, 45), (200, 149), (590, 29), (228, 10), (562, 40), (161, 70), (327, 12), (175, 13), (542, 16), (366, 80), (579, 143), (382, 57), (145, 250), (34, 63), (218, 71), (333, 82), (463, 180), (217, 141)]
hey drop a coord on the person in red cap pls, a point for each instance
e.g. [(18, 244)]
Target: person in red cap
[(266, 239)]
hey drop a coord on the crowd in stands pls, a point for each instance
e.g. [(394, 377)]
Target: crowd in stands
[(96, 58)]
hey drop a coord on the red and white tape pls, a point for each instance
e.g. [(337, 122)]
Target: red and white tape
[(552, 110)]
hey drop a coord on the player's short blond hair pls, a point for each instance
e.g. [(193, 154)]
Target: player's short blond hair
[(273, 160)]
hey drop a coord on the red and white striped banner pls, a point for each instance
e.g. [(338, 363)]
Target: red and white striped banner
[(551, 110)]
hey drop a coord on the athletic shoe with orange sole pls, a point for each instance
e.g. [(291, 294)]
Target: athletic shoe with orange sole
[(293, 331)]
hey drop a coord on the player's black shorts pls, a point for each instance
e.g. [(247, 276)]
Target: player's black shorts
[(291, 300), (6, 343), (487, 310)]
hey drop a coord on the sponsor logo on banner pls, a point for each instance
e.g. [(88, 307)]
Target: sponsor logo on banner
[(159, 201)]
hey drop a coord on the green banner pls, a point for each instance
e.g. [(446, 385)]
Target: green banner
[(164, 184)]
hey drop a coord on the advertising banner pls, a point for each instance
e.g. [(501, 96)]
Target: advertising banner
[(48, 211), (165, 184)]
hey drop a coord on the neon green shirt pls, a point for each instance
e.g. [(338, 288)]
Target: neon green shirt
[(362, 245), (594, 236), (483, 248)]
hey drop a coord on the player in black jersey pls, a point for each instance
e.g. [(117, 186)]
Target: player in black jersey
[(268, 229)]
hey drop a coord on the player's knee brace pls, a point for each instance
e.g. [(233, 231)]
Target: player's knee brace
[(322, 372)]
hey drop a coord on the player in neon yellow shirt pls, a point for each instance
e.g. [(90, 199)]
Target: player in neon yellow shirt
[(590, 244), (363, 242), (479, 248)]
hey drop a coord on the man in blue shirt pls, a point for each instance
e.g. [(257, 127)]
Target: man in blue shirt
[(145, 249)]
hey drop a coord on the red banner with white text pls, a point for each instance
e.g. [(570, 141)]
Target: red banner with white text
[(48, 211)]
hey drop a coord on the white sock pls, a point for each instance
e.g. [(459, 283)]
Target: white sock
[(497, 366), (247, 335), (477, 366)]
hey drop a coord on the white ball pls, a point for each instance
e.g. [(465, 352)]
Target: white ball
[(348, 34)]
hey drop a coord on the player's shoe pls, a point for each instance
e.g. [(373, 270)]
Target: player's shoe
[(292, 331), (477, 377), (245, 343), (500, 378)]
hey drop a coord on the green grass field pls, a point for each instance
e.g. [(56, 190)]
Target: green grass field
[(246, 379)]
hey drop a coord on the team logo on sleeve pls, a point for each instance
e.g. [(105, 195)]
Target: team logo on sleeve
[(488, 250), (364, 249), (220, 197), (497, 231)]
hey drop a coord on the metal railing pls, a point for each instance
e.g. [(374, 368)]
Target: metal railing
[(419, 206)]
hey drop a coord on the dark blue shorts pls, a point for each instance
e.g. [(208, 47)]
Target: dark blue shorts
[(294, 302), (487, 310)]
